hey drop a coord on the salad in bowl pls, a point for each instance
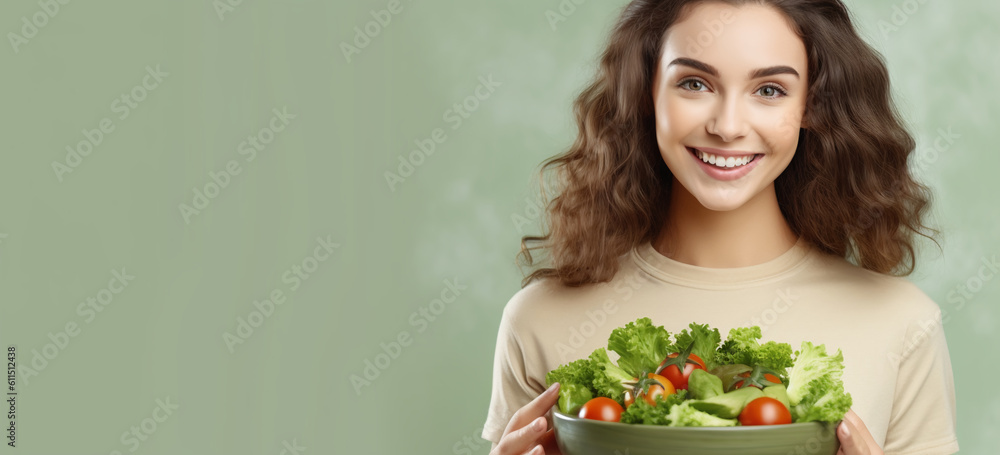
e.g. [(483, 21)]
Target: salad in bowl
[(694, 393)]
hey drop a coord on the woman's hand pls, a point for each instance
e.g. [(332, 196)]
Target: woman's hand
[(855, 439), (527, 432)]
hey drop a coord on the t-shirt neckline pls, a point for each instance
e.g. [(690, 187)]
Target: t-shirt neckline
[(670, 270)]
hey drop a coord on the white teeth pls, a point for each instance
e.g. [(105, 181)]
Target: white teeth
[(723, 162)]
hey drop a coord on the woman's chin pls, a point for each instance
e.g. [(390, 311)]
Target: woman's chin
[(717, 205), (722, 200)]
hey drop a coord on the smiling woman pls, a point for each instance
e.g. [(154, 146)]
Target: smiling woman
[(803, 93), (729, 151), (722, 129)]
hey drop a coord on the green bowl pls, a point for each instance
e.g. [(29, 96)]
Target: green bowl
[(577, 436)]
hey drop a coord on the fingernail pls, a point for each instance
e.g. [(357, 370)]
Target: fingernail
[(845, 430), (538, 424), (552, 388)]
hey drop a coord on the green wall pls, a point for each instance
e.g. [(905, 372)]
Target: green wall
[(369, 256)]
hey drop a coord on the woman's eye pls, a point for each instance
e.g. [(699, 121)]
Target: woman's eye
[(691, 84), (771, 91)]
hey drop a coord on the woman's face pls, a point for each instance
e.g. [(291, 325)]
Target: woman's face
[(730, 88)]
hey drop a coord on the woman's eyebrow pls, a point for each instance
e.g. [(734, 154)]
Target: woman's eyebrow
[(755, 74)]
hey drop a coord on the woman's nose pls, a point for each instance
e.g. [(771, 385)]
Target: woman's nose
[(727, 122)]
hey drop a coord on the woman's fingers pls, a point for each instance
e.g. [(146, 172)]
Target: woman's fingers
[(863, 430), (528, 425), (846, 436), (536, 408), (530, 435), (524, 439), (851, 440)]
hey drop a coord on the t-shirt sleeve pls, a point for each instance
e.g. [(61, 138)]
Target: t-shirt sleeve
[(923, 417), (511, 387)]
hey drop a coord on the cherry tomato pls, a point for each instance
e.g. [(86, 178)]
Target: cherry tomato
[(765, 411), (677, 378), (662, 387), (767, 376), (602, 408), (665, 388)]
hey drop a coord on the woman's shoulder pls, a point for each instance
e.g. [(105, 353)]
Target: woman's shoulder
[(547, 300), (537, 296), (889, 289)]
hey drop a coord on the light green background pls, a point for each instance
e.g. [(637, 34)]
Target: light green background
[(324, 176)]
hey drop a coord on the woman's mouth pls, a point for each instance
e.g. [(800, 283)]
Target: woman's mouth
[(725, 167), (723, 162)]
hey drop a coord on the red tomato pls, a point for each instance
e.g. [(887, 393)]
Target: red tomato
[(765, 411), (677, 378), (602, 408), (767, 377)]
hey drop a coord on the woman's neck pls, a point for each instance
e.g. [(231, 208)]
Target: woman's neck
[(752, 234)]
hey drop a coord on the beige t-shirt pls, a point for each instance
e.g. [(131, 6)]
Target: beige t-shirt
[(896, 362)]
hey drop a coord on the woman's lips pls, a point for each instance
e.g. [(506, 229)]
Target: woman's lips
[(726, 173)]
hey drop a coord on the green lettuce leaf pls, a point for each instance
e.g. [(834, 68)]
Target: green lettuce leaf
[(640, 345), (742, 347), (815, 389), (683, 415), (572, 397), (644, 413), (706, 342), (608, 377), (579, 372)]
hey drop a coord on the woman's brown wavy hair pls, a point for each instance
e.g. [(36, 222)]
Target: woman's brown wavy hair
[(848, 189)]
